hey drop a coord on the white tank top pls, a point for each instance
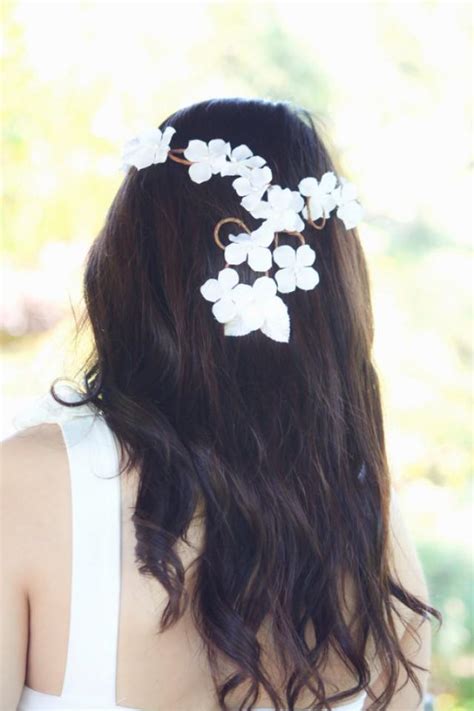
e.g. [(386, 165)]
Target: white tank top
[(90, 676)]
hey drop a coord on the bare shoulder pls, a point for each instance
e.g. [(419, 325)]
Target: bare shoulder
[(34, 493), (33, 461), (34, 514), (25, 440)]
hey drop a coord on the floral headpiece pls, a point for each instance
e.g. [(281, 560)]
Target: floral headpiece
[(241, 307)]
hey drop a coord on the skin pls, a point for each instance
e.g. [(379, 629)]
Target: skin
[(35, 569)]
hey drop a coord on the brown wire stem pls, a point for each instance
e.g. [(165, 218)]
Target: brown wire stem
[(179, 160), (310, 219), (225, 221), (317, 227)]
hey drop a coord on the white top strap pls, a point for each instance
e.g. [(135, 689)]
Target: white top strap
[(96, 560), (92, 452)]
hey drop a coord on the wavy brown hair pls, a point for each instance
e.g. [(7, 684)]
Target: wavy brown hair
[(281, 443)]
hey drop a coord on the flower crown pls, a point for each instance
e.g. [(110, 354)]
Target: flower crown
[(243, 308)]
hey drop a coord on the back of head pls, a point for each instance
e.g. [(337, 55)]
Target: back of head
[(280, 444)]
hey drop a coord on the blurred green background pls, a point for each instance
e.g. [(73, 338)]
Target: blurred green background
[(388, 83)]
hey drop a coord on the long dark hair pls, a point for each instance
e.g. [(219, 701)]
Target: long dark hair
[(279, 445)]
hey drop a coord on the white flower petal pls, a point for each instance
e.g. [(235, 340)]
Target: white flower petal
[(274, 305), (168, 134), (224, 310), (130, 145), (241, 238), (328, 182), (278, 197), (307, 186), (286, 219), (307, 278), (305, 256), (284, 256), (261, 177), (298, 224), (350, 213), (242, 186), (235, 253), (200, 172), (255, 162), (267, 225), (262, 210), (297, 202), (238, 326), (230, 168), (196, 150), (315, 207), (260, 259), (161, 154), (218, 148), (141, 156), (279, 222), (241, 152), (141, 151), (277, 322), (211, 290), (263, 235), (151, 135), (328, 204), (286, 280), (218, 163), (242, 295), (348, 191), (150, 146), (253, 314), (336, 193), (228, 278), (241, 162), (251, 200), (264, 288)]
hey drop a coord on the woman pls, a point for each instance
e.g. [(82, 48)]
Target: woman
[(263, 560)]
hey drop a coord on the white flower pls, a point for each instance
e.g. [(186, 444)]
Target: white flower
[(281, 209), (221, 292), (207, 158), (252, 186), (296, 268), (241, 161), (259, 307), (150, 146), (349, 210), (320, 195), (252, 247)]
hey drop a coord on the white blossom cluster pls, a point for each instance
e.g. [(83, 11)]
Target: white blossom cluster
[(243, 308)]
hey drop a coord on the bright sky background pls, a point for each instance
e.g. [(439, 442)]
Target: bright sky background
[(401, 134)]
